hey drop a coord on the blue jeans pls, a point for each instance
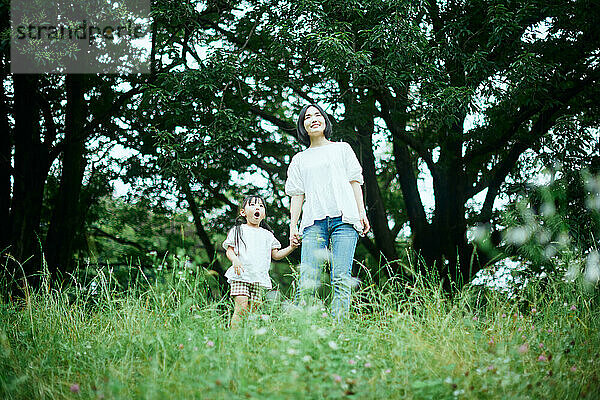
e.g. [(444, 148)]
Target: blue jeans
[(334, 241)]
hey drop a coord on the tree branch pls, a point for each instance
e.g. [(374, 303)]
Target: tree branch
[(497, 174), (99, 232), (286, 126), (94, 123), (398, 128), (494, 178)]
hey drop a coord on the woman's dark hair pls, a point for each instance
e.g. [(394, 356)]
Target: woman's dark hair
[(239, 220), (301, 132)]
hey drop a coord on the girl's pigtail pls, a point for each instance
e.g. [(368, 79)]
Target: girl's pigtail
[(237, 232), (264, 225)]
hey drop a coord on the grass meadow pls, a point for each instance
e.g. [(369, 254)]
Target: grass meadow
[(161, 338)]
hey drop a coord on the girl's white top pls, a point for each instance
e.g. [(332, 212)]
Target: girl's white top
[(323, 174), (254, 254)]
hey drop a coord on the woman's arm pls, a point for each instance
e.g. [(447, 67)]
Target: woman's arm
[(362, 214), (295, 209)]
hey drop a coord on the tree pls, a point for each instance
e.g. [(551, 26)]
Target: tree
[(428, 70)]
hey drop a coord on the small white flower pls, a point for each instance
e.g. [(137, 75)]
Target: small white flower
[(548, 209), (550, 251), (321, 254), (333, 345), (322, 332), (479, 232), (265, 317), (260, 331), (592, 268), (517, 235), (572, 272), (292, 352), (307, 358)]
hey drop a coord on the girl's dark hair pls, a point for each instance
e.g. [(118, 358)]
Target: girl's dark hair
[(239, 220), (301, 132)]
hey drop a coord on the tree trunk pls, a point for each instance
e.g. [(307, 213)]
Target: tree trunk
[(202, 234), (65, 222), (393, 110), (5, 169), (30, 171), (360, 116), (377, 214), (421, 230), (449, 224), (450, 251)]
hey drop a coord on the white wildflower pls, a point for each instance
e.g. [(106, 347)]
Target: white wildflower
[(260, 331), (517, 235), (592, 268)]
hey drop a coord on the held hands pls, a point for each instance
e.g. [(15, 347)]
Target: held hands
[(295, 238), (295, 243)]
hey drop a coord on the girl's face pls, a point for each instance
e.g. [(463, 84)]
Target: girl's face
[(254, 211), (314, 122)]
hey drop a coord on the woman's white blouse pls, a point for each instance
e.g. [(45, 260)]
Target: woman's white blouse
[(323, 174), (254, 254)]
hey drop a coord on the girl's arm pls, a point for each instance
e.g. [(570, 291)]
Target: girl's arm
[(295, 209), (362, 214), (237, 264), (278, 254)]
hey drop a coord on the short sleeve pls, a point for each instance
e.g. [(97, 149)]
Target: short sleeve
[(275, 244), (353, 168), (294, 185), (230, 241)]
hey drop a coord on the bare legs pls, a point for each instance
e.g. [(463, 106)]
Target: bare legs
[(241, 307)]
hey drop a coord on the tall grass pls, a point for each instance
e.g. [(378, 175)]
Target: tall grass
[(161, 338)]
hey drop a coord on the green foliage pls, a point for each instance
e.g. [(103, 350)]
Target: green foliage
[(481, 91), (554, 227), (134, 232)]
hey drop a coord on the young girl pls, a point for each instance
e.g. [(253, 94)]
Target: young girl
[(250, 246)]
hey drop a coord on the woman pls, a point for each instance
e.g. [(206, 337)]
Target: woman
[(324, 182)]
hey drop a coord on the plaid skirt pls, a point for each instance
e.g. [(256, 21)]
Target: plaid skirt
[(251, 290)]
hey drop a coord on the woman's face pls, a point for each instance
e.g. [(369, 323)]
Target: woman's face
[(314, 122)]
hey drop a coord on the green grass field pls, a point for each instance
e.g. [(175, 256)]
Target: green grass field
[(166, 340)]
